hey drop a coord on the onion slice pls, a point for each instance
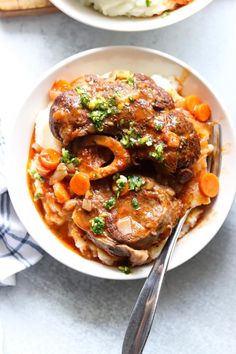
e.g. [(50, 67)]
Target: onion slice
[(87, 204), (124, 225)]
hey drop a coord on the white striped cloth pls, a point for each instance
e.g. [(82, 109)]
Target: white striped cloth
[(18, 250)]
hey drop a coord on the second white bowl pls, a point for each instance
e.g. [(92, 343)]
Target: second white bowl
[(89, 16)]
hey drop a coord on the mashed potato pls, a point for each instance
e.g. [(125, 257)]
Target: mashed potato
[(137, 8)]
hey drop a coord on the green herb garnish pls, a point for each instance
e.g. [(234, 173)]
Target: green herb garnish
[(135, 203), (130, 80), (111, 101), (35, 175), (131, 99), (148, 3), (159, 125), (147, 140), (37, 196), (121, 183), (97, 225), (98, 104), (97, 118), (68, 158), (158, 154), (135, 183), (84, 100), (166, 13), (110, 203), (101, 109), (125, 269), (130, 137)]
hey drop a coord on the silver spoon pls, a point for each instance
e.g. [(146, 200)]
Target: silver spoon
[(144, 310)]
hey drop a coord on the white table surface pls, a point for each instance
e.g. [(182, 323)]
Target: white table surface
[(55, 310)]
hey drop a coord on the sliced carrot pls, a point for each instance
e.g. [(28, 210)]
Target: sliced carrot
[(43, 171), (182, 2), (79, 183), (58, 87), (191, 102), (202, 112), (209, 184), (49, 158), (172, 140), (61, 193)]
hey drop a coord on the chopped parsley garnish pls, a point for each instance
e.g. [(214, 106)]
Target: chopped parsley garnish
[(121, 183), (110, 203), (111, 101), (158, 154), (68, 158), (166, 13), (79, 89), (147, 140), (35, 175), (148, 3), (97, 118), (99, 107), (97, 225), (131, 99), (130, 138), (130, 80), (98, 104), (159, 125), (135, 203), (37, 196), (135, 183), (125, 269), (84, 100)]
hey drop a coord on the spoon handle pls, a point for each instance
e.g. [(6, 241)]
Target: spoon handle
[(144, 310)]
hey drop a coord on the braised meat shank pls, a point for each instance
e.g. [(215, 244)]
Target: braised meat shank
[(141, 115), (127, 229)]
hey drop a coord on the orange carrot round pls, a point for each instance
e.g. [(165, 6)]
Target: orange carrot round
[(191, 102), (50, 158), (202, 112), (57, 88), (79, 183), (209, 184), (61, 192)]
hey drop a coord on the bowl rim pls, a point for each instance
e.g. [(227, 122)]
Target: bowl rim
[(154, 23), (216, 226)]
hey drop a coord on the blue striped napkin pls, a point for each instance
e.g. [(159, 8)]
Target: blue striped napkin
[(18, 250)]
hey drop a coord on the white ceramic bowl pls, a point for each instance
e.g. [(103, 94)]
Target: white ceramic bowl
[(96, 61), (89, 16)]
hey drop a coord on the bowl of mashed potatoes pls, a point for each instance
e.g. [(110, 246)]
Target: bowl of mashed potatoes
[(130, 15)]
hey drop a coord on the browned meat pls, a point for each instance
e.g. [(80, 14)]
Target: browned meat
[(68, 119), (152, 221), (176, 145), (136, 98), (134, 110)]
